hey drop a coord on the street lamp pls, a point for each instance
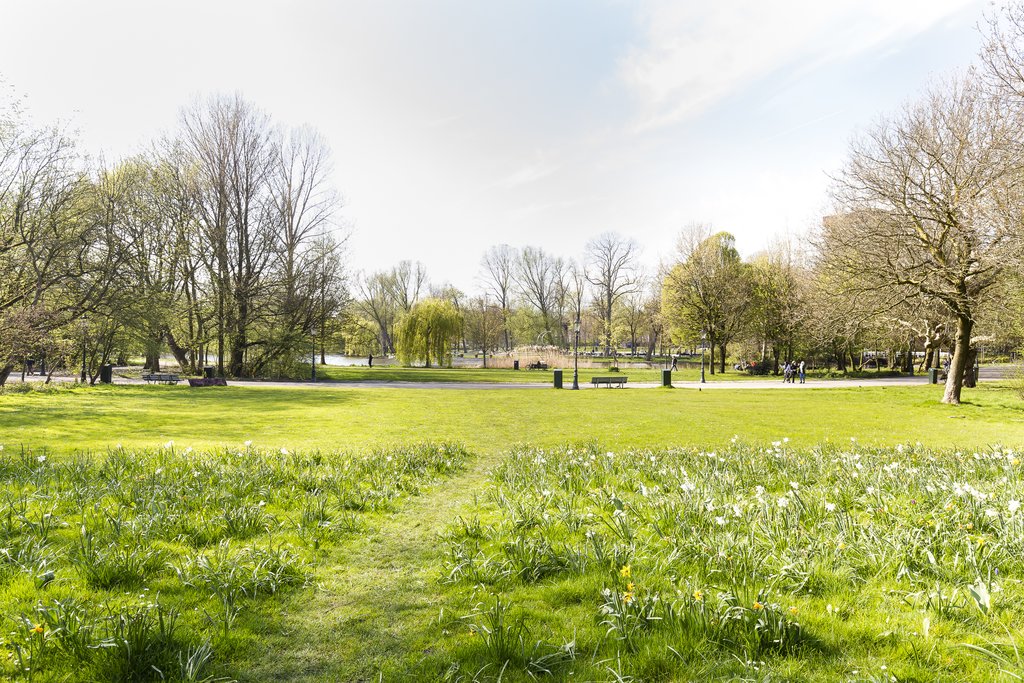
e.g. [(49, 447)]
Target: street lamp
[(576, 355), (312, 358), (84, 324), (703, 345)]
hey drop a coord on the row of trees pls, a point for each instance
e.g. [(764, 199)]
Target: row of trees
[(219, 244), (524, 296), (785, 303)]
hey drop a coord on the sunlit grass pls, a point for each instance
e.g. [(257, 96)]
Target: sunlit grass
[(491, 420), (155, 565), (738, 563)]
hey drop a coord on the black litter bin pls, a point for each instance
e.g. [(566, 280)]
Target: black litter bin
[(558, 379), (107, 374), (515, 365), (208, 372), (666, 378), (933, 375)]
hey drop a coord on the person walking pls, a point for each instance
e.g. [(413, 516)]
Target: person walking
[(674, 358), (787, 372), (803, 371), (369, 361)]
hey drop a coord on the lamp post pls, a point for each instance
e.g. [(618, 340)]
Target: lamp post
[(84, 323), (703, 345), (576, 354), (312, 358)]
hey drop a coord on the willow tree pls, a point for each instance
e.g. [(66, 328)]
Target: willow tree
[(930, 208), (427, 332)]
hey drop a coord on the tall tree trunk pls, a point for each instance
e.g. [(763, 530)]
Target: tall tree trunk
[(608, 325), (929, 354), (239, 340), (5, 372), (957, 366), (180, 354), (721, 358)]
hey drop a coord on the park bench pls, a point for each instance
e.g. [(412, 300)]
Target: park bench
[(538, 366), (609, 381), (161, 378)]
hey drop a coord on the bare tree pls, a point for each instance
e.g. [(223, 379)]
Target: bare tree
[(405, 283), (304, 203), (611, 268), (499, 265), (1002, 54), (536, 277), (931, 208), (231, 143), (385, 296)]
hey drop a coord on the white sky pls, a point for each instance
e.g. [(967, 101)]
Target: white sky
[(456, 125)]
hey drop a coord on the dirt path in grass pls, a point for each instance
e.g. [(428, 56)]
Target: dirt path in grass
[(376, 595)]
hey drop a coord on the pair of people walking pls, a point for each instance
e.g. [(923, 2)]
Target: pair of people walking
[(792, 370)]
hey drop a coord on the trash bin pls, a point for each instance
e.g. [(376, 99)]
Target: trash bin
[(208, 372), (558, 379), (107, 374), (666, 378), (515, 365), (933, 375), (971, 378)]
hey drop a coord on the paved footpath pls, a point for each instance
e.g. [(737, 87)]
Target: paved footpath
[(987, 374)]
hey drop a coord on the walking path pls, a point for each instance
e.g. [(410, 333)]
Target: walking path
[(377, 594), (987, 374)]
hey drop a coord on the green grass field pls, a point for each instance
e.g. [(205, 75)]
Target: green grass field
[(492, 420), (486, 567)]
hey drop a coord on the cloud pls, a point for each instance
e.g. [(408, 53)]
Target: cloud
[(527, 174), (694, 55)]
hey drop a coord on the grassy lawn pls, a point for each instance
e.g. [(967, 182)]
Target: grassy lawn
[(493, 420), (739, 564), (357, 554)]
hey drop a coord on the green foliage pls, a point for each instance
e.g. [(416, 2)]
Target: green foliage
[(747, 562), (198, 540), (427, 332)]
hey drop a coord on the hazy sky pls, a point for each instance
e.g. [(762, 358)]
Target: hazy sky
[(456, 125)]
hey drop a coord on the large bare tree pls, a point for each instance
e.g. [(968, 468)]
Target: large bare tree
[(234, 152), (537, 277), (612, 269), (498, 276), (930, 204)]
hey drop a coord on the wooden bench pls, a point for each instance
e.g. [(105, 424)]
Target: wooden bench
[(609, 381), (161, 378), (537, 366)]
